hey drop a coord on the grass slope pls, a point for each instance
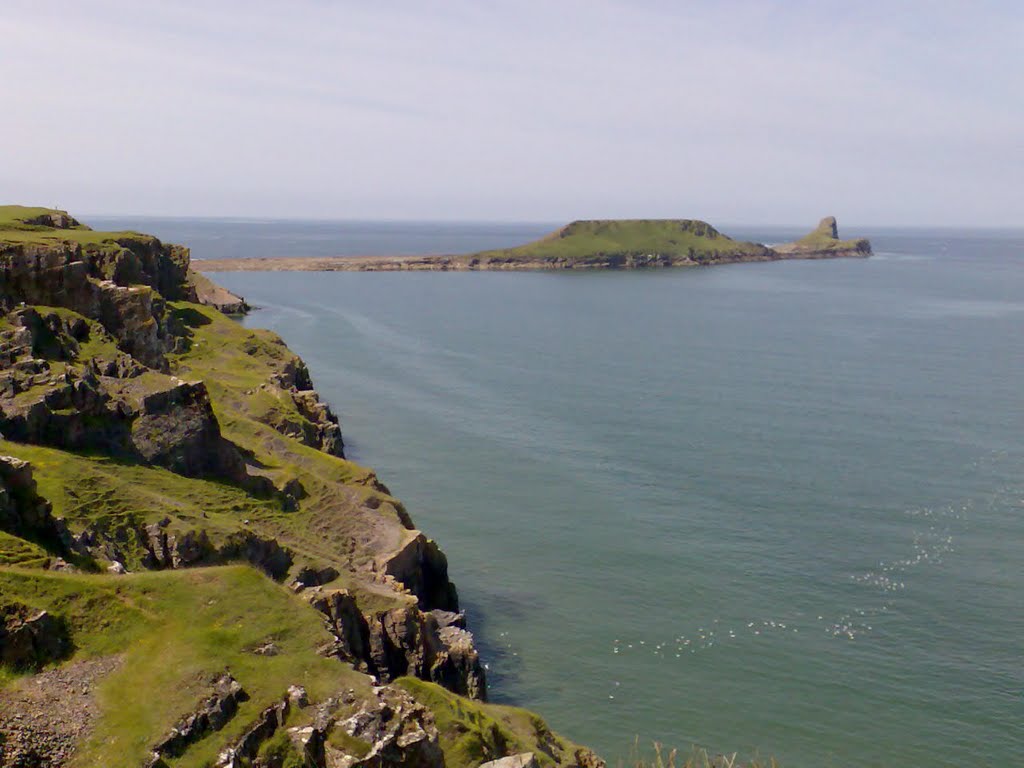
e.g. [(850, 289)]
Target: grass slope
[(236, 362), (473, 733), (174, 631)]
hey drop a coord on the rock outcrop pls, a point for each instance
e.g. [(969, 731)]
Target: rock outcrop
[(318, 425), (422, 568), (31, 638), (175, 427), (109, 403), (823, 243), (245, 750), (23, 511), (213, 295), (124, 287), (212, 714), (523, 760), (431, 645), (389, 729), (159, 546)]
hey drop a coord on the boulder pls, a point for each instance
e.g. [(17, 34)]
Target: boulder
[(31, 638), (523, 760)]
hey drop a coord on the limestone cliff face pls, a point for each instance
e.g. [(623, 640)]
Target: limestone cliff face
[(320, 428), (92, 376), (124, 289), (113, 404), (431, 645)]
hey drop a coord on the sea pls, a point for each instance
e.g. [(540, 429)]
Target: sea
[(774, 509)]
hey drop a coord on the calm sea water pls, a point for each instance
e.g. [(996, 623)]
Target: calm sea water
[(767, 507), (241, 238)]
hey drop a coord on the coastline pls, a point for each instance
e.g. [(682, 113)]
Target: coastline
[(156, 451), (471, 264)]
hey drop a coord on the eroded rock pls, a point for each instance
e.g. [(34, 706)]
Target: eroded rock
[(212, 714), (30, 638), (523, 760), (432, 646), (422, 568)]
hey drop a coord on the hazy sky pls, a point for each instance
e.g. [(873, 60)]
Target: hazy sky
[(737, 112)]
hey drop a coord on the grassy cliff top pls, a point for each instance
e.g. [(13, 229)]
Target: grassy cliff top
[(171, 632), (583, 240), (42, 226)]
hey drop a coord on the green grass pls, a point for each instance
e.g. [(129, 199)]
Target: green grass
[(175, 630), (15, 229), (236, 363), (597, 240), (18, 551), (99, 491), (97, 342), (473, 733), (17, 216)]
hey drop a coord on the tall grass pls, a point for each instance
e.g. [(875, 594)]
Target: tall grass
[(696, 758)]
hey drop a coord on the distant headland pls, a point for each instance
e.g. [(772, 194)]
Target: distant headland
[(599, 244)]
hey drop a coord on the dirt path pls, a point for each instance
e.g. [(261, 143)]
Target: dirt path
[(44, 717)]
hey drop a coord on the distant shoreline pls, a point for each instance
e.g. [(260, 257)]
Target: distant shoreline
[(466, 264)]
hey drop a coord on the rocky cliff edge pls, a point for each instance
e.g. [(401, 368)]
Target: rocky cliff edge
[(148, 446)]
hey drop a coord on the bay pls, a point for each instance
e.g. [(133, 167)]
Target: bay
[(770, 508)]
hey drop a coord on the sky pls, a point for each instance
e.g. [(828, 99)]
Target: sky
[(769, 112)]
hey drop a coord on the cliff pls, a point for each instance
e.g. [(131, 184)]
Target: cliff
[(191, 572), (602, 244)]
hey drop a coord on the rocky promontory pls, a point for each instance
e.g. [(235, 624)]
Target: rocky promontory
[(177, 515), (824, 243), (598, 244)]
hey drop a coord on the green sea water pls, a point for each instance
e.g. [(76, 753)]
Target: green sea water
[(773, 508)]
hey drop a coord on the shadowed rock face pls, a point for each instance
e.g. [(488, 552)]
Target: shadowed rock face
[(828, 227), (430, 645), (23, 511), (30, 638), (115, 406), (175, 427), (422, 568)]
